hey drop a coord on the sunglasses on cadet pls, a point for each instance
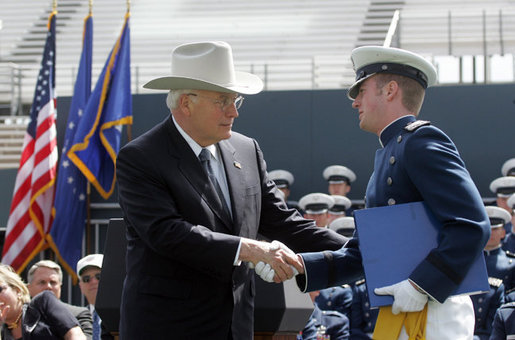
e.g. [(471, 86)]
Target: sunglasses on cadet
[(87, 278)]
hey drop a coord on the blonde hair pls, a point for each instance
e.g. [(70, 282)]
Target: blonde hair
[(9, 276), (412, 92)]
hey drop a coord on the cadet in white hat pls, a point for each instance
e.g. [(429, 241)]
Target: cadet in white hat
[(503, 187), (283, 179), (343, 225), (416, 161), (508, 168), (340, 207), (88, 270), (509, 240), (315, 206), (339, 178)]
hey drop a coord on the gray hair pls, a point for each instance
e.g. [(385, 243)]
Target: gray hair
[(172, 100), (45, 264)]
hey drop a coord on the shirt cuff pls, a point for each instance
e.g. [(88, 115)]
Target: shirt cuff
[(237, 262)]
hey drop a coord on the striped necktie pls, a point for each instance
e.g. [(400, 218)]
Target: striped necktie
[(96, 326), (205, 159)]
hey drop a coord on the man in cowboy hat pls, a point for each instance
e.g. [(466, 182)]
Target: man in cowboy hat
[(194, 195), (416, 162)]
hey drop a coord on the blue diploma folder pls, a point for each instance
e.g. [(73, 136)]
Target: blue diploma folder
[(395, 239)]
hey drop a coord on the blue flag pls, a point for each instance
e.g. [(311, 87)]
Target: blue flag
[(70, 198), (97, 140)]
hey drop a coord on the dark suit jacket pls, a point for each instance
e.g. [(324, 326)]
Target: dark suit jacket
[(82, 315), (181, 282)]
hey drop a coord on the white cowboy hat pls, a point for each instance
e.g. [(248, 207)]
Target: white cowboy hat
[(206, 66)]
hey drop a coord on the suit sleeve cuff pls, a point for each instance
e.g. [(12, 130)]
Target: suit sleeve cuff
[(237, 262)]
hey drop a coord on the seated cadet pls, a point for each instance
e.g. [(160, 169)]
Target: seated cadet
[(339, 179), (509, 240), (485, 306), (315, 207), (503, 327), (340, 207), (508, 168), (504, 187), (499, 264), (362, 317), (343, 225), (325, 324), (284, 179)]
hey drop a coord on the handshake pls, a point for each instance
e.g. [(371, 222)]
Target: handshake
[(273, 262)]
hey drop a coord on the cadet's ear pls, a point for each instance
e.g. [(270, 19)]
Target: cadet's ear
[(391, 89)]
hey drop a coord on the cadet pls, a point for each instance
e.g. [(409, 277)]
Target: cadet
[(325, 324), (343, 225), (503, 327), (284, 179), (362, 317), (315, 206), (485, 306), (499, 263), (339, 179), (509, 240), (508, 168), (341, 205), (504, 187)]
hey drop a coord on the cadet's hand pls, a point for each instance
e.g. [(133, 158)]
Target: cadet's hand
[(406, 298)]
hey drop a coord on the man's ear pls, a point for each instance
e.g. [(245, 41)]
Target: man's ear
[(391, 89), (185, 104)]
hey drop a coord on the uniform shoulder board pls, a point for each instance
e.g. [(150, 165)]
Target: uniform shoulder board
[(494, 282), (508, 305), (416, 124), (510, 254), (360, 282)]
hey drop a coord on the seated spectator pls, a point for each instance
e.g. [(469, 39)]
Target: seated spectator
[(88, 270), (43, 317), (47, 275)]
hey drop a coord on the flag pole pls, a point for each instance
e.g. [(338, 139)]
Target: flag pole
[(129, 126), (88, 185)]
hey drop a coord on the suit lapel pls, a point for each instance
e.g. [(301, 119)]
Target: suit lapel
[(235, 181), (190, 167)]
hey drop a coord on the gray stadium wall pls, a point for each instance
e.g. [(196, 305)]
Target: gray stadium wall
[(305, 131)]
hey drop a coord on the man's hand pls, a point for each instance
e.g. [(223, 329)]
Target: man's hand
[(273, 255), (406, 298)]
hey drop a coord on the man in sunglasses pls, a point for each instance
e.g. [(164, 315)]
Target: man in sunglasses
[(88, 270)]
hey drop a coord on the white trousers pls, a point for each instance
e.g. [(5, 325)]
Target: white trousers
[(452, 320)]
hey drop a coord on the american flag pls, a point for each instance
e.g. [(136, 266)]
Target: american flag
[(30, 216)]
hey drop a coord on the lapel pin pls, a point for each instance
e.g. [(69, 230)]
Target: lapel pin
[(237, 164)]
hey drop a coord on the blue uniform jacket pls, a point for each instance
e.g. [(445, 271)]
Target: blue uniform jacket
[(362, 317), (417, 162), (504, 322), (485, 306), (326, 322), (502, 266)]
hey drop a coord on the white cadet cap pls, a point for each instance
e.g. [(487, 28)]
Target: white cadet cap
[(498, 216), (511, 201), (341, 204), (343, 225), (316, 203), (508, 168), (282, 178), (370, 60), (503, 186), (92, 260), (339, 174)]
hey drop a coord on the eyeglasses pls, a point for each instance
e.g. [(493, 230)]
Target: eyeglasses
[(87, 278), (223, 103)]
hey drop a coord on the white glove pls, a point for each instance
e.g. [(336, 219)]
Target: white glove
[(265, 271), (405, 297), (276, 245)]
